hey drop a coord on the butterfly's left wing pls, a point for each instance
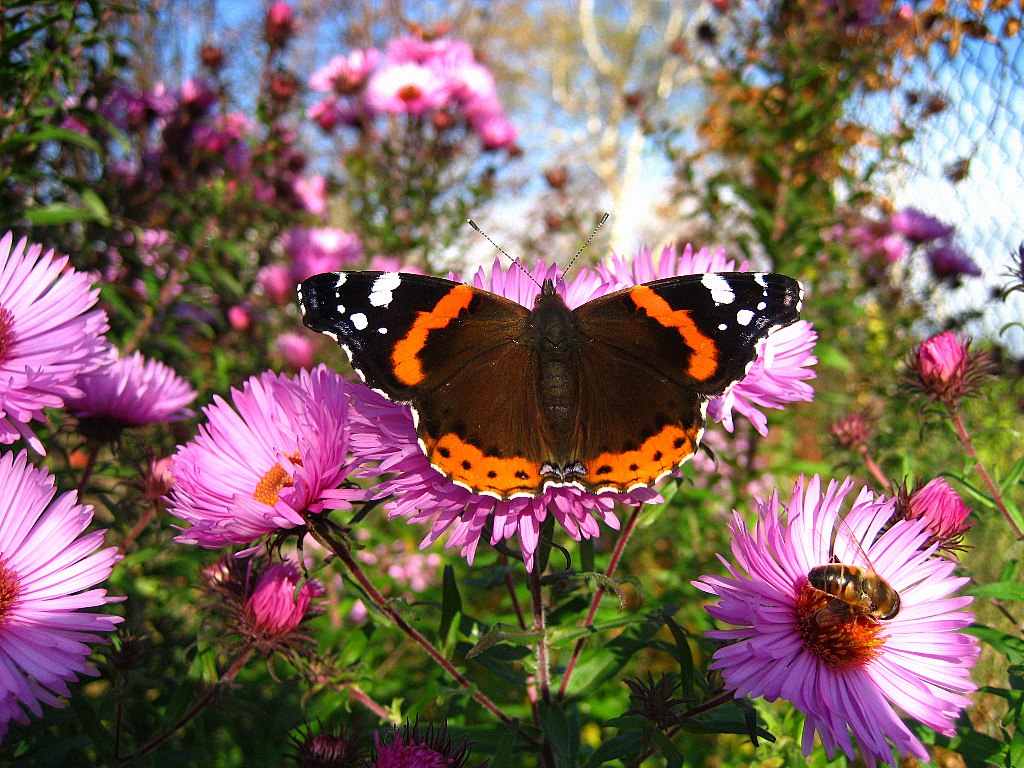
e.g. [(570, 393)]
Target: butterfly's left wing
[(655, 353)]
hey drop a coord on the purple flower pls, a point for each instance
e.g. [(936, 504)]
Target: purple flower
[(950, 262), (311, 193), (406, 747), (406, 89), (783, 366), (46, 570), (919, 227), (320, 249), (49, 336), (276, 452), (847, 673), (130, 392)]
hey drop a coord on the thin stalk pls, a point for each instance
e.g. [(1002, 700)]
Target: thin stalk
[(997, 497), (543, 675), (315, 528), (204, 701), (874, 469), (595, 602)]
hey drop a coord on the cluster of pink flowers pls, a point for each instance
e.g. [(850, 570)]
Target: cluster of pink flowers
[(887, 241), (53, 355), (438, 78), (182, 139)]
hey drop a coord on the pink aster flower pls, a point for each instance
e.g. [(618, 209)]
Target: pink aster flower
[(320, 249), (49, 335), (780, 373), (495, 131), (46, 570), (276, 452), (296, 349), (406, 89), (849, 673), (130, 392), (345, 74)]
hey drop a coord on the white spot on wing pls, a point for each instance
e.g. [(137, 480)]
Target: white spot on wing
[(341, 280), (359, 321), (721, 292), (759, 279), (381, 292), (382, 331), (744, 316)]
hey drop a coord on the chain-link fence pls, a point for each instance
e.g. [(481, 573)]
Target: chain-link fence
[(967, 168)]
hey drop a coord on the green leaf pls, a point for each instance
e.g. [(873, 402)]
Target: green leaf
[(683, 656), (1011, 646), (562, 732), (56, 214), (451, 603), (505, 754), (96, 207), (1000, 590), (1013, 476)]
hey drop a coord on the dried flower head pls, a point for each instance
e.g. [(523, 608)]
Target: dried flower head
[(326, 748), (853, 432), (655, 701)]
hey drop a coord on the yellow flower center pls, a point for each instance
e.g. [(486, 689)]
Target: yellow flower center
[(10, 588), (268, 489), (840, 638)]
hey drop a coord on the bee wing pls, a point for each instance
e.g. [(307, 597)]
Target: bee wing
[(847, 546)]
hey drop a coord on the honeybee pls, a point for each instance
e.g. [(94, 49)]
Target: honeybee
[(854, 590)]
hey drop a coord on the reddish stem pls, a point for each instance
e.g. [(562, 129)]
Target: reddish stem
[(353, 567), (620, 548), (997, 498), (874, 469)]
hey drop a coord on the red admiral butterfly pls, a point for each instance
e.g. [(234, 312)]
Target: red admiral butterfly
[(508, 401)]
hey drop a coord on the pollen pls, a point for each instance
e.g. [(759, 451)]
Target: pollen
[(841, 641), (6, 334), (268, 489), (10, 588)]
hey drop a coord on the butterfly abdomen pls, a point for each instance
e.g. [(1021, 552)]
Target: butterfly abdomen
[(554, 337)]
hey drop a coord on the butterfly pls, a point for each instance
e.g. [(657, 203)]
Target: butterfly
[(509, 401)]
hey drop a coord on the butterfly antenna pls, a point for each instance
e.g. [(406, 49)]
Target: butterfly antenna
[(516, 262), (604, 218)]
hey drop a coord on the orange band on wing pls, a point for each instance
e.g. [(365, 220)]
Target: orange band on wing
[(405, 359), (704, 360), (657, 455), (468, 465)]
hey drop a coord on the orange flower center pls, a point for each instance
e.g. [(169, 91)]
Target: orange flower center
[(409, 92), (268, 489), (841, 639), (6, 334), (10, 588)]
